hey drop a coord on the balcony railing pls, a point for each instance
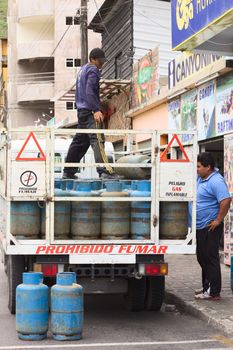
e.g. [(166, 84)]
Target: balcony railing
[(29, 8), (35, 78), (39, 49), (35, 87)]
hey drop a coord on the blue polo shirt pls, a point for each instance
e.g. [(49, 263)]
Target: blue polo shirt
[(210, 192)]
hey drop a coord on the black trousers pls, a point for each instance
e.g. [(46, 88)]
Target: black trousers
[(81, 142), (208, 258)]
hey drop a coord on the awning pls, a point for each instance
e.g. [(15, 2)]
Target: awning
[(108, 88)]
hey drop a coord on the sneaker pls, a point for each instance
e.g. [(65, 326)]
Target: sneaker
[(198, 291), (201, 291), (202, 296), (108, 176), (206, 296), (67, 176)]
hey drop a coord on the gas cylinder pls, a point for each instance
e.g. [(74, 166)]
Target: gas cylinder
[(32, 307), (134, 173), (57, 183), (25, 220), (62, 211), (66, 308), (140, 211), (115, 216), (173, 220), (126, 184), (85, 216)]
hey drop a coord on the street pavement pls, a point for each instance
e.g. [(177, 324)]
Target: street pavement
[(184, 277), (108, 325)]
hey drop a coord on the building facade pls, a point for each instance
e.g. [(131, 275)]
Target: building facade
[(44, 58), (3, 63)]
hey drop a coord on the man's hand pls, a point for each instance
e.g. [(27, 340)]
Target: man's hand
[(98, 116), (215, 223)]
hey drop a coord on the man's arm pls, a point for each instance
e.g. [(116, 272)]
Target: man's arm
[(92, 95), (92, 87), (224, 207)]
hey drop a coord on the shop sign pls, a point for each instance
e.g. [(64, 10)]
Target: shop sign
[(186, 66), (190, 17), (145, 82), (206, 111), (228, 162), (174, 117), (188, 113), (224, 115)]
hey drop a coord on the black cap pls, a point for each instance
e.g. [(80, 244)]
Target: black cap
[(97, 53)]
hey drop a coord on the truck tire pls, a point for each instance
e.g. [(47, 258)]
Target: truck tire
[(155, 293), (15, 268), (135, 298)]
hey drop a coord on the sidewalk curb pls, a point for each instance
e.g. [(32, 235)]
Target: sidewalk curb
[(223, 325)]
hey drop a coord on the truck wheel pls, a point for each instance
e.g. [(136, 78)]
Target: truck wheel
[(135, 298), (155, 293), (15, 268)]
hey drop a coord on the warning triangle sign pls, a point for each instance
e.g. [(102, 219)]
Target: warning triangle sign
[(163, 157), (34, 148)]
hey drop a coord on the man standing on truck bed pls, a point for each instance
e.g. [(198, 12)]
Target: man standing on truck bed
[(213, 203), (89, 117)]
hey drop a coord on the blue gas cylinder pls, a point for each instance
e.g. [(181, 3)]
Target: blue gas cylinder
[(57, 183), (62, 212), (32, 307), (85, 216), (140, 211), (232, 273), (126, 184), (25, 220), (115, 216), (66, 308)]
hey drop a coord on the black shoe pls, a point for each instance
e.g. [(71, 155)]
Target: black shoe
[(108, 176), (67, 176)]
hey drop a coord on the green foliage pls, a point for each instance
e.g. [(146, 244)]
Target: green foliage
[(3, 19)]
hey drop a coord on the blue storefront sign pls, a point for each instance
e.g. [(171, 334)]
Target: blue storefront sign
[(192, 17)]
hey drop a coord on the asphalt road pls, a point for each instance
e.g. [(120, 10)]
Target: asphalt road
[(108, 325)]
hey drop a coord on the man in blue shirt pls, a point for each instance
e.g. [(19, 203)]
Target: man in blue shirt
[(213, 203), (89, 117)]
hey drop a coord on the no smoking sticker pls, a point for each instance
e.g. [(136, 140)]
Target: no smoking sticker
[(28, 178)]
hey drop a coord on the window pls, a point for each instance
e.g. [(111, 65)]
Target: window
[(70, 106), (73, 20), (69, 21), (77, 62), (118, 65), (57, 159), (73, 62), (69, 62), (76, 20)]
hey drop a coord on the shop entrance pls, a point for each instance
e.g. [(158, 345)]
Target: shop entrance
[(216, 148)]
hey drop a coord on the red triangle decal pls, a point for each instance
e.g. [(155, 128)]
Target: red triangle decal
[(42, 155), (164, 154)]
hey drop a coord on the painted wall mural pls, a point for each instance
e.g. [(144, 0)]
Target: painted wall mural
[(145, 83)]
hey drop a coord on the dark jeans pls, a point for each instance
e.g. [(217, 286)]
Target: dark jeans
[(81, 142), (208, 258)]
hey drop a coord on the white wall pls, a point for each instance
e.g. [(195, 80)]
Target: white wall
[(152, 27), (69, 48)]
